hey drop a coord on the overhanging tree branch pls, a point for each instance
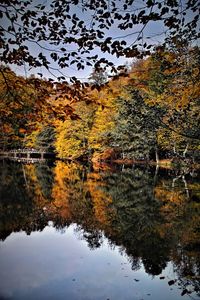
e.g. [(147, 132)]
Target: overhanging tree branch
[(65, 23)]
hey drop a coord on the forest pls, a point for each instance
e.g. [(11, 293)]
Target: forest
[(147, 112)]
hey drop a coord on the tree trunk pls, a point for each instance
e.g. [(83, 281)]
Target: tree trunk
[(174, 149), (157, 157)]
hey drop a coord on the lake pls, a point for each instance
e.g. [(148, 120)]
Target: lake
[(79, 232)]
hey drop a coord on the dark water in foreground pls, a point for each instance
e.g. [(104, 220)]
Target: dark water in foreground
[(68, 231)]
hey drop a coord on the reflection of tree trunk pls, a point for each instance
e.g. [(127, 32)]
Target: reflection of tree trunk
[(185, 151), (186, 187), (173, 184), (185, 184), (174, 180), (157, 157)]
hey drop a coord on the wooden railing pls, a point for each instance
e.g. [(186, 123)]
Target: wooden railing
[(26, 154)]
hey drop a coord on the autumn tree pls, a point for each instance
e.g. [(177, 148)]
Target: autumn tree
[(24, 104), (174, 86), (72, 134), (135, 127), (45, 139), (16, 108), (98, 77)]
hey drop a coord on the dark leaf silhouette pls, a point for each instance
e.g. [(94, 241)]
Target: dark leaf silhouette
[(54, 29)]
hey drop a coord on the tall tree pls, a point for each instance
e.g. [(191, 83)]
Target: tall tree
[(45, 139), (98, 77), (16, 108), (135, 127), (174, 86), (72, 134)]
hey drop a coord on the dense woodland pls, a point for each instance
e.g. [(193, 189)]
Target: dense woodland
[(146, 112)]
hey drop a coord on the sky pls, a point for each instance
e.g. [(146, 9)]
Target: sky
[(153, 33)]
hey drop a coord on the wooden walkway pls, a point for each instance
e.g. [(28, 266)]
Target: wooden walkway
[(26, 155)]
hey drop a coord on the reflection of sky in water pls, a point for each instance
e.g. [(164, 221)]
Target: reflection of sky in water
[(51, 265)]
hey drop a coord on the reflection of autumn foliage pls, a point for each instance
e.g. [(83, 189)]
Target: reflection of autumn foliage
[(152, 222), (171, 208), (76, 194), (22, 202), (77, 197), (177, 206), (60, 191), (31, 181), (182, 224), (100, 199)]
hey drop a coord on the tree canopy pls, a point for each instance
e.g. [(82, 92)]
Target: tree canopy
[(81, 33)]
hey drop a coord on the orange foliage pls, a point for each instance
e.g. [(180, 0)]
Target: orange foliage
[(60, 192), (101, 200)]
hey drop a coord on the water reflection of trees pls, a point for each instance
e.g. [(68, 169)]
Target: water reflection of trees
[(22, 204), (181, 211), (152, 222), (137, 218)]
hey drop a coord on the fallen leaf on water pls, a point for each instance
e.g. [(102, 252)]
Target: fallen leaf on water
[(171, 282), (185, 291)]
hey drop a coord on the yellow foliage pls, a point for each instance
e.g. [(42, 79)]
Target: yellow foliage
[(64, 174), (101, 200)]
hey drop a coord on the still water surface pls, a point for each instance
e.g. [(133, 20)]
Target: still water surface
[(74, 232)]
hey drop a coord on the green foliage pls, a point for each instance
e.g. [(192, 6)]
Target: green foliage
[(45, 179), (45, 139), (135, 127)]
